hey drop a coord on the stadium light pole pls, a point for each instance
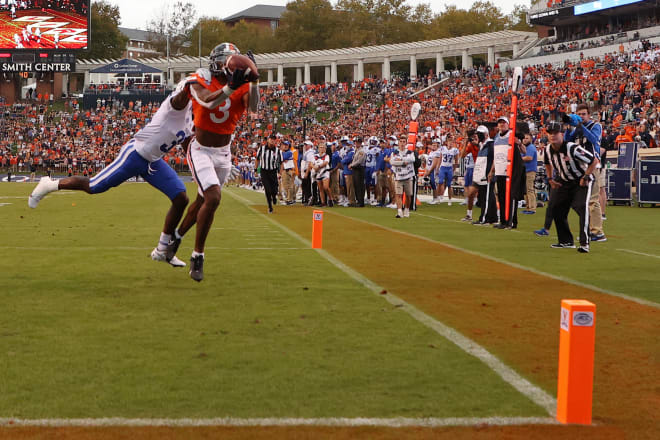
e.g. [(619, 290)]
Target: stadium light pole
[(200, 43), (168, 58)]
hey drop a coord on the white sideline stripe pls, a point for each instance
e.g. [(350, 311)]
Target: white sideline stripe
[(639, 253), (457, 221), (531, 391), (398, 422), (509, 263)]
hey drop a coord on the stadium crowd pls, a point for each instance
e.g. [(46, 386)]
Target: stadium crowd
[(622, 89)]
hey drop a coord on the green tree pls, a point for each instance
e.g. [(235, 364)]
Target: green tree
[(214, 32), (308, 25), (518, 19), (106, 40), (176, 23), (483, 16)]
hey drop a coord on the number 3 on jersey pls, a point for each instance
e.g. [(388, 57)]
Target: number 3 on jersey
[(221, 114)]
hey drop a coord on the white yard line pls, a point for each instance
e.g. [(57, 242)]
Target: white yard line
[(639, 253), (126, 248), (398, 422), (509, 263), (534, 393)]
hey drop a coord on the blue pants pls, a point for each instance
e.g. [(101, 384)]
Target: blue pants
[(130, 164), (468, 177), (368, 176), (445, 176)]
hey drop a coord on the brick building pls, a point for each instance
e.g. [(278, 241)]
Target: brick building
[(263, 15)]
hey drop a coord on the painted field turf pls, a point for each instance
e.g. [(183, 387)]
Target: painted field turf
[(91, 327), (514, 313)]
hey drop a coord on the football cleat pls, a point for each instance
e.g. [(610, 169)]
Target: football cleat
[(172, 247), (584, 249), (197, 268), (563, 246), (42, 188), (157, 255), (467, 218)]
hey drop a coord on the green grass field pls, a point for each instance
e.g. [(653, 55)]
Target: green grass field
[(91, 327)]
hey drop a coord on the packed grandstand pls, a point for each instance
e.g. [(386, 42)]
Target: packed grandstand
[(622, 88)]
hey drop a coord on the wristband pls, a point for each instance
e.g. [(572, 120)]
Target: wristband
[(228, 90)]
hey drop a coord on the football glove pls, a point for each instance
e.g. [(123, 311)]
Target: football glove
[(250, 55), (236, 78), (205, 74)]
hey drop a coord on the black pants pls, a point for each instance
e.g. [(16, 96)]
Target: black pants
[(306, 189), (548, 212), (316, 197), (358, 184), (501, 198), (269, 179), (571, 195), (413, 200), (486, 199)]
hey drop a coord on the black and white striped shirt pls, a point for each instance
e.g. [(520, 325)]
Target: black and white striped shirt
[(269, 158), (570, 163)]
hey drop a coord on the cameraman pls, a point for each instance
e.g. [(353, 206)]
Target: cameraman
[(589, 133)]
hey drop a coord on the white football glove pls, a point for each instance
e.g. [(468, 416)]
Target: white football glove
[(205, 74), (181, 86)]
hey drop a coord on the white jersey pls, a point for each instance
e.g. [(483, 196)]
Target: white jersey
[(372, 157), (431, 157), (168, 128), (448, 155)]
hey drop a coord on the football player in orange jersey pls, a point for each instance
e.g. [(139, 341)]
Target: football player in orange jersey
[(219, 97)]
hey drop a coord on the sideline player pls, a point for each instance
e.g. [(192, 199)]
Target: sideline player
[(143, 156), (217, 104), (446, 174), (469, 154), (370, 174)]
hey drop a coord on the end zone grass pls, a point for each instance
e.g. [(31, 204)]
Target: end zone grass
[(93, 328)]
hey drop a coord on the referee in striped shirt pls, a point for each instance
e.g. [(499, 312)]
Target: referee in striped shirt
[(573, 166), (269, 159)]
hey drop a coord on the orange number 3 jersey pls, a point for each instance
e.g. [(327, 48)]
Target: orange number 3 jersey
[(221, 119)]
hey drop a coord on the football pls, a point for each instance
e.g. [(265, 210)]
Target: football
[(243, 62)]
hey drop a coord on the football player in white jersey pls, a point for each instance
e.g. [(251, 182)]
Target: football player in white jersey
[(143, 156), (446, 174), (432, 168), (370, 173)]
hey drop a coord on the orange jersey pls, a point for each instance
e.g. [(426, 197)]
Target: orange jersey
[(222, 119)]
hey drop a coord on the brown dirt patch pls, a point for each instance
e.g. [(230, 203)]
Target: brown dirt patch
[(511, 312)]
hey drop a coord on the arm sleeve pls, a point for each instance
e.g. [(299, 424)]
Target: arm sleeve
[(569, 135)]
